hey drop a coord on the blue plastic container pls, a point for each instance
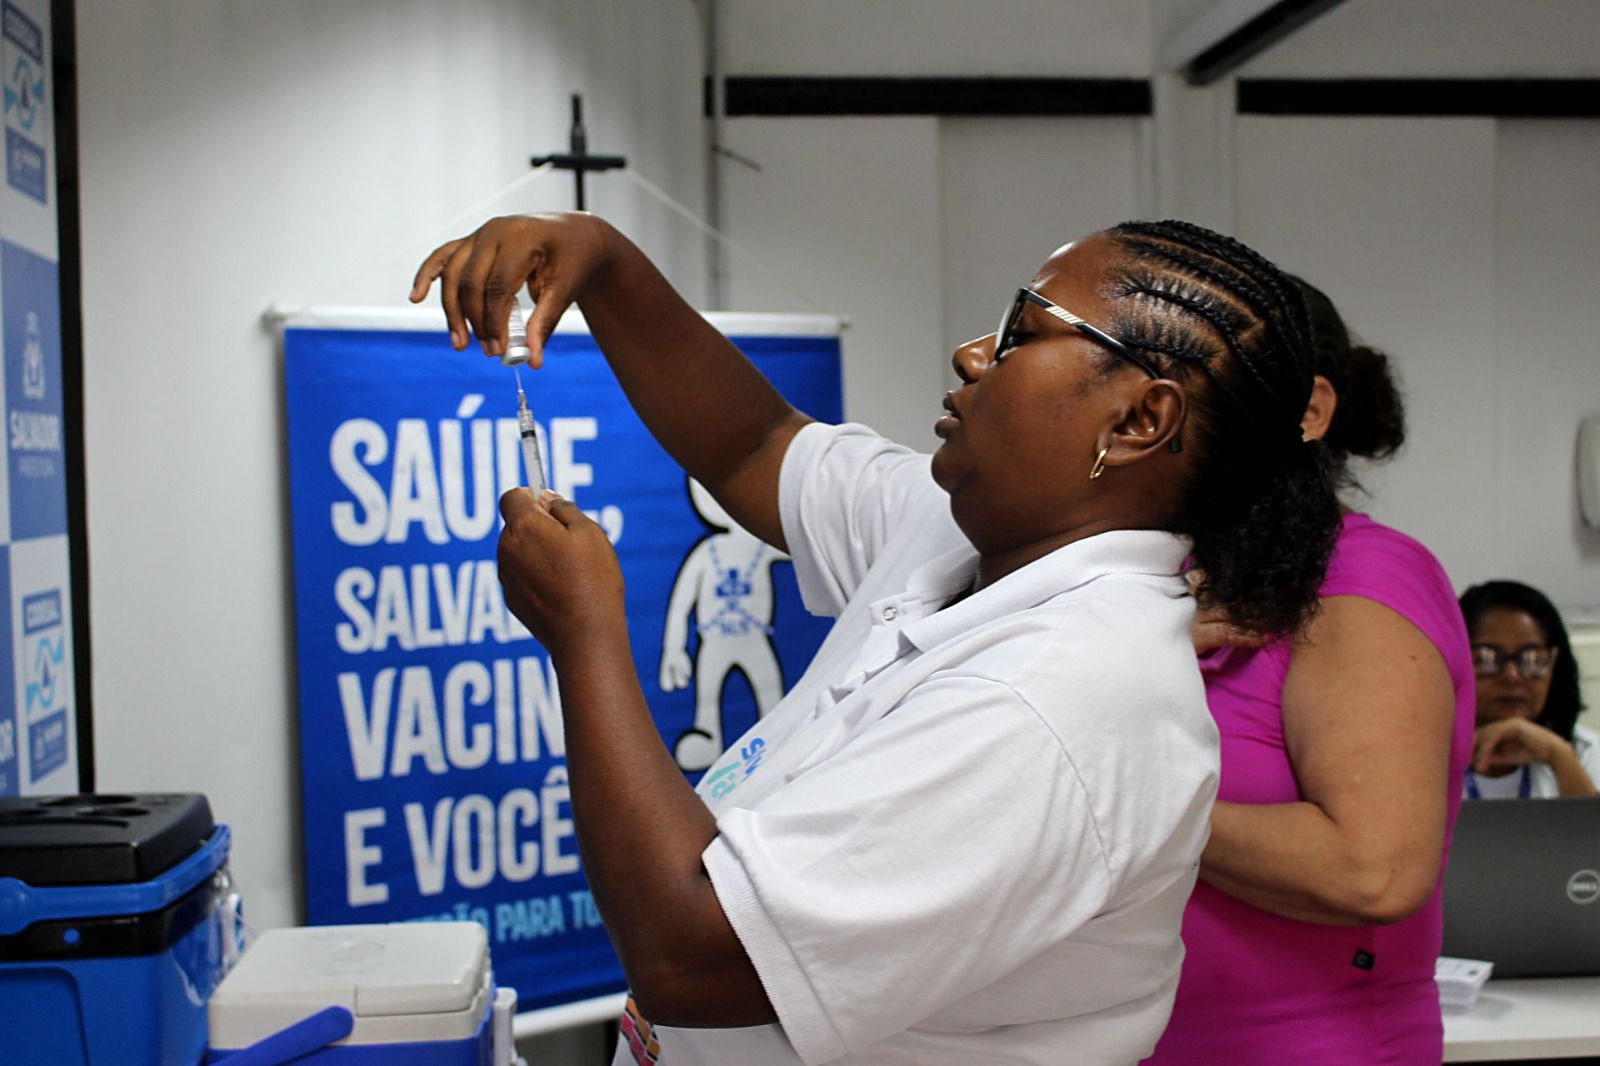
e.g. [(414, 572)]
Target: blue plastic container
[(109, 974)]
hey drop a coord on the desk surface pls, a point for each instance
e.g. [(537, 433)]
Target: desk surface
[(1527, 1019)]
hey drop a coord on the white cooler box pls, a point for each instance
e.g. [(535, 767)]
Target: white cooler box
[(364, 995)]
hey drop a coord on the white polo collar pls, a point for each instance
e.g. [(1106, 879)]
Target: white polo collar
[(1121, 551)]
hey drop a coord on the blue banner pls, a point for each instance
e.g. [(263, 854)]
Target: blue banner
[(30, 315), (39, 709), (432, 755)]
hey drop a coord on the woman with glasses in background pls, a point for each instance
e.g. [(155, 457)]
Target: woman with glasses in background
[(1528, 742), (968, 832)]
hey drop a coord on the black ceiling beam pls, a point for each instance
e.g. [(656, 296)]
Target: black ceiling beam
[(748, 96), (1427, 97), (1252, 38)]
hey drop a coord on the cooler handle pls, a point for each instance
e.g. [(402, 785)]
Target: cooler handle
[(21, 904), (302, 1038)]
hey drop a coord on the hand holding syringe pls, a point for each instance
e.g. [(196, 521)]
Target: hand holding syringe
[(516, 354)]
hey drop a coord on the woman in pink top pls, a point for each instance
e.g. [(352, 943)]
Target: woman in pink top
[(1312, 936)]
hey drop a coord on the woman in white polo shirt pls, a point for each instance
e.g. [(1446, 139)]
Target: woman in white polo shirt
[(968, 833)]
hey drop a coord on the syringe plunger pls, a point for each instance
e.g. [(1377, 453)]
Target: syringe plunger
[(531, 456)]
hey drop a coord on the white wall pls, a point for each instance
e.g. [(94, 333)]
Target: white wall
[(1547, 356), (942, 38), (1465, 248), (1410, 264), (829, 226), (237, 154), (918, 230), (1471, 262)]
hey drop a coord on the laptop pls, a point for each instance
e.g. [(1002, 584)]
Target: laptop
[(1523, 887)]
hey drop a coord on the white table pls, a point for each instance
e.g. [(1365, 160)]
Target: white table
[(1547, 1018)]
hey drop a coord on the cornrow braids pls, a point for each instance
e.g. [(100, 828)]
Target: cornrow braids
[(1160, 337), (1232, 288), (1259, 503)]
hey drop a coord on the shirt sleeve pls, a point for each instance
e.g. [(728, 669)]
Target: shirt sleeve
[(841, 493), (848, 887), (1388, 567)]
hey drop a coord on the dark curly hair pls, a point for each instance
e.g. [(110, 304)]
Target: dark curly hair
[(1369, 421), (1564, 702), (1259, 505)]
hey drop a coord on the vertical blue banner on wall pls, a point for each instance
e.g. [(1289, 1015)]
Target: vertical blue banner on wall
[(38, 702), (432, 754)]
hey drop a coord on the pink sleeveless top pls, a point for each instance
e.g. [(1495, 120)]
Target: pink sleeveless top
[(1260, 989)]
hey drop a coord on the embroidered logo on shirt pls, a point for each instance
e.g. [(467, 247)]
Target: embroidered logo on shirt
[(640, 1035), (733, 775)]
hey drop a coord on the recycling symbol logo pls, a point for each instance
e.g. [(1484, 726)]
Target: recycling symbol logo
[(44, 683), (24, 93)]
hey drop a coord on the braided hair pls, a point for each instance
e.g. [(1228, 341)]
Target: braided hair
[(1259, 504)]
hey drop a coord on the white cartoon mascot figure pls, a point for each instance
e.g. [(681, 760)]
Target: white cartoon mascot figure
[(726, 583)]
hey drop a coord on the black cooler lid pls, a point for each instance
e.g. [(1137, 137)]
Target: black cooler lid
[(99, 839)]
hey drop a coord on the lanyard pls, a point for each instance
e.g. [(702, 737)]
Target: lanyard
[(1523, 789)]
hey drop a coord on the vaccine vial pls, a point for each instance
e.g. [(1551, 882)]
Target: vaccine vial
[(516, 352)]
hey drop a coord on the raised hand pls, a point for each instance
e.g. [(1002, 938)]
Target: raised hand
[(553, 256)]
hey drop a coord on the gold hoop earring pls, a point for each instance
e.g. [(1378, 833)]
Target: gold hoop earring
[(1099, 464)]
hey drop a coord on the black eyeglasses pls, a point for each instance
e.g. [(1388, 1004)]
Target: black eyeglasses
[(1534, 661), (1005, 336)]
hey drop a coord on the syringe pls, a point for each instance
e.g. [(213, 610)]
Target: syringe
[(531, 456)]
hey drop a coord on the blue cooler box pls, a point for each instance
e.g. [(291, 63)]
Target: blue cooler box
[(110, 934), (417, 994)]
